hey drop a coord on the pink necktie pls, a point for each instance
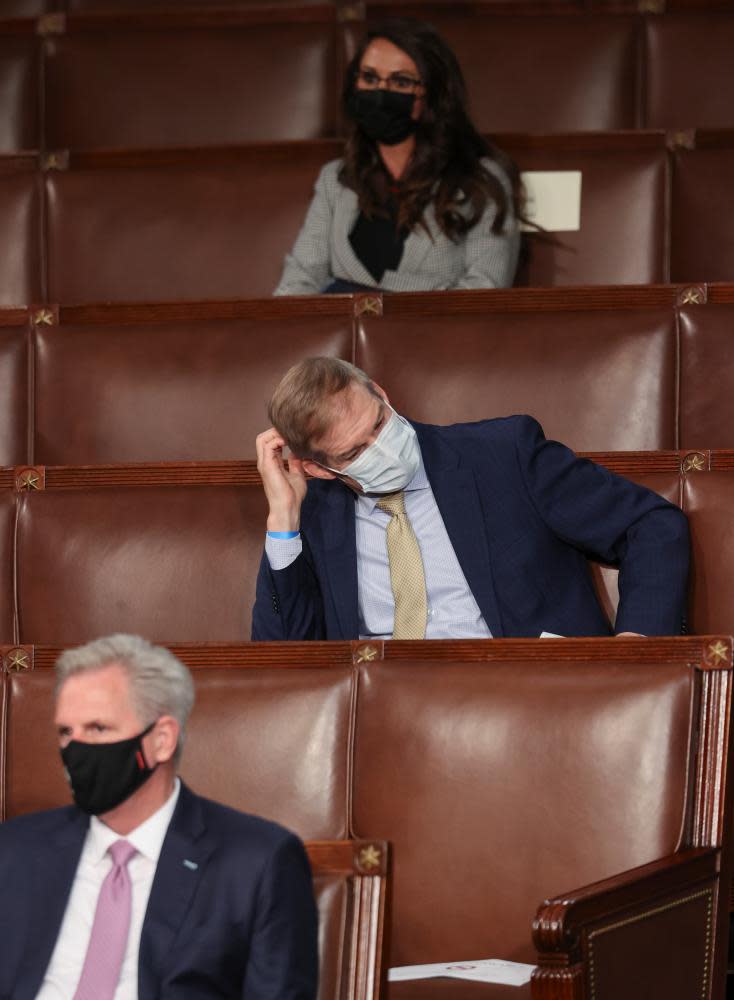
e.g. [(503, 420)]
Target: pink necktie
[(107, 943)]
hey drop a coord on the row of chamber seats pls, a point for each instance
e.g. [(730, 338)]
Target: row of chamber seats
[(244, 74), (173, 552), (451, 751), (625, 370), (213, 224)]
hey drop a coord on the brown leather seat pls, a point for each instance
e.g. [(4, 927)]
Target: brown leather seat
[(19, 87), (195, 390), (175, 564), (689, 79), (186, 83), (13, 395), (708, 500), (447, 368), (7, 523), (702, 222), (587, 65), (199, 229), (491, 767), (624, 191), (706, 389), (261, 718), (20, 224)]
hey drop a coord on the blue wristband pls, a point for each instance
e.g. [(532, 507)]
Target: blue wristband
[(283, 534)]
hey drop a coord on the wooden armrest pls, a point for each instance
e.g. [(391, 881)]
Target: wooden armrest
[(572, 931)]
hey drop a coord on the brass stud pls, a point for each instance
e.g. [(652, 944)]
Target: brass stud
[(350, 12), (368, 305), (366, 654), (691, 297), (29, 479), (694, 462), (370, 857), (17, 660), (44, 317), (718, 652)]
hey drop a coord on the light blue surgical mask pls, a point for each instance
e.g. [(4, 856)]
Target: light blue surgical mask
[(390, 462)]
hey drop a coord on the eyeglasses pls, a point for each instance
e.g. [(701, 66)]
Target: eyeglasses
[(403, 83)]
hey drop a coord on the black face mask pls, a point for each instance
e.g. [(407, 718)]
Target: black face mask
[(103, 775), (383, 115)]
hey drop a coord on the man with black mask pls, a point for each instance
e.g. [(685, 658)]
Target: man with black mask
[(143, 889)]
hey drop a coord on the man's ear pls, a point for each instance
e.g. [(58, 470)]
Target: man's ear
[(164, 739), (380, 392), (315, 470)]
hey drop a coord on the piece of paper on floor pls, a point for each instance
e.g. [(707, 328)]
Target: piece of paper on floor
[(483, 970), (553, 199)]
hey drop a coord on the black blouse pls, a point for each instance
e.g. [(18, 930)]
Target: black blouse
[(377, 242)]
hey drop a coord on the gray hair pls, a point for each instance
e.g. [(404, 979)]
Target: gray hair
[(159, 683)]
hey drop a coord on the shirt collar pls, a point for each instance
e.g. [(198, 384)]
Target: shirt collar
[(147, 838), (418, 482)]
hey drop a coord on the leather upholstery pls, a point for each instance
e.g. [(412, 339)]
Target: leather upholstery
[(709, 502), (289, 729), (588, 69), (194, 390), (13, 395), (689, 78), (546, 364), (29, 740), (706, 390), (20, 224), (473, 756), (623, 219), (191, 86), (19, 97), (7, 522), (702, 247), (215, 230), (168, 563)]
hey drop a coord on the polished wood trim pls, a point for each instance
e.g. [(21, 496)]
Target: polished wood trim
[(312, 151), (348, 856), (691, 649), (562, 925), (243, 472), (285, 307)]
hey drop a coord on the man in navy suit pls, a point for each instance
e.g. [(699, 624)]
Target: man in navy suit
[(504, 521), (144, 889)]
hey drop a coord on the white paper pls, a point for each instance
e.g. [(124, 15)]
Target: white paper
[(553, 199), (550, 635), (483, 970)]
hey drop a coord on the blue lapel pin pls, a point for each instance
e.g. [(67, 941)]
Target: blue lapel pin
[(190, 865)]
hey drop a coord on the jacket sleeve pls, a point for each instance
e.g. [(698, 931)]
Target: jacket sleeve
[(616, 521), (283, 960), (288, 602), (491, 258), (307, 267)]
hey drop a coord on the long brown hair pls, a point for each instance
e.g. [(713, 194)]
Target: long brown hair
[(446, 167)]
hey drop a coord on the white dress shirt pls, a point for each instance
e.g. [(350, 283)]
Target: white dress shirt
[(453, 612), (65, 967)]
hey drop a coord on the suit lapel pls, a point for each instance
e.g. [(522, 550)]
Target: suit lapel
[(456, 491), (53, 874), (181, 864), (416, 246), (337, 526)]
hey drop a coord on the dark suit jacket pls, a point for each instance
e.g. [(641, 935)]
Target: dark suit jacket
[(522, 513), (241, 924)]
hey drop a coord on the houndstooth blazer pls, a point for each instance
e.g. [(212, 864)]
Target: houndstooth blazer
[(322, 252)]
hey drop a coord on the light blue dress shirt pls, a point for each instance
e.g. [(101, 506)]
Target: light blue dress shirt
[(452, 611)]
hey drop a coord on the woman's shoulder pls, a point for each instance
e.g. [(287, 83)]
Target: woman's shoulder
[(329, 173), (495, 167)]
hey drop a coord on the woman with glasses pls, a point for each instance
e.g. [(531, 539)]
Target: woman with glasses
[(419, 201)]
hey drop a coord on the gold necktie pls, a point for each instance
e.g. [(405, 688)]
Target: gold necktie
[(407, 576)]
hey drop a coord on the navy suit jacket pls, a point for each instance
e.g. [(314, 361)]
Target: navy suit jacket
[(237, 921), (523, 513)]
